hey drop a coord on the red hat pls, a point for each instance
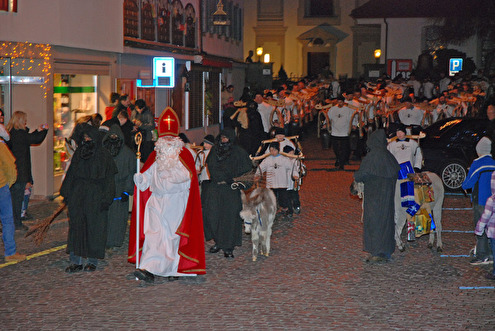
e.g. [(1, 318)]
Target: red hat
[(168, 123)]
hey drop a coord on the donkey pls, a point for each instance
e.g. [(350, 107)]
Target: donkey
[(434, 208), (259, 207)]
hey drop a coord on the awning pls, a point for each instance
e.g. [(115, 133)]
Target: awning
[(216, 63)]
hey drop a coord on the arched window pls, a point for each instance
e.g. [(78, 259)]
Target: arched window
[(190, 26), (178, 26), (163, 17)]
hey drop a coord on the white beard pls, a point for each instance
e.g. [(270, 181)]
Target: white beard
[(167, 152)]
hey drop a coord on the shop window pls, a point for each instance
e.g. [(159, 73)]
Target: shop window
[(8, 5), (74, 97)]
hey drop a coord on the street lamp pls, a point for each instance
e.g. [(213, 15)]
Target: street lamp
[(266, 58), (377, 53), (220, 17), (259, 52)]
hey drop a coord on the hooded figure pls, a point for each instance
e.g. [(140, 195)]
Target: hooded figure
[(379, 172), (250, 137), (125, 160), (221, 204), (88, 190)]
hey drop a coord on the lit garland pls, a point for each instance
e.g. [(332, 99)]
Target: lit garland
[(20, 53)]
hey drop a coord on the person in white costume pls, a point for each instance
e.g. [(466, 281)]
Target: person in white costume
[(170, 180), (404, 149)]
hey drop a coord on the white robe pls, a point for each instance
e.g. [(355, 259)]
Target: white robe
[(163, 214)]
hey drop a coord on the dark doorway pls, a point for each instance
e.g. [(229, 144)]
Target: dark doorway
[(316, 62)]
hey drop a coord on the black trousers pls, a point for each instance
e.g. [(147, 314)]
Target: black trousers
[(341, 148), (17, 193), (294, 202), (282, 197)]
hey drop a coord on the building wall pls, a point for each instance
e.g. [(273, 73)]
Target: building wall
[(213, 44), (72, 23), (288, 50), (404, 39)]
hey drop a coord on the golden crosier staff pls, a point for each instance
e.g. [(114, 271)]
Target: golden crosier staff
[(138, 138)]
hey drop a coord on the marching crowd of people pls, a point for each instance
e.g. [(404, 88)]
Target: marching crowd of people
[(260, 135)]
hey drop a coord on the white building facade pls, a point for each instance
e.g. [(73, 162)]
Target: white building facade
[(61, 59)]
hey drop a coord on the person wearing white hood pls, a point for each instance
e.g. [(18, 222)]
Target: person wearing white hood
[(478, 179)]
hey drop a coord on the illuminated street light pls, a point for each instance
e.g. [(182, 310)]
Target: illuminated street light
[(377, 53), (220, 17), (259, 52), (266, 58)]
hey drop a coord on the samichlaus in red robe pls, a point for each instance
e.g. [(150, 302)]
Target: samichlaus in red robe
[(160, 228)]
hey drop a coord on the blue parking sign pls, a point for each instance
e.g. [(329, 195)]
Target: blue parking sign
[(455, 66)]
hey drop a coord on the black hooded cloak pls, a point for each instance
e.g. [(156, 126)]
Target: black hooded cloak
[(221, 204), (250, 138), (125, 160), (89, 189), (379, 172)]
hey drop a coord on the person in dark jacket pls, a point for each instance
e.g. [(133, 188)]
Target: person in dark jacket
[(20, 144), (143, 120), (88, 190), (378, 171), (122, 120), (125, 160)]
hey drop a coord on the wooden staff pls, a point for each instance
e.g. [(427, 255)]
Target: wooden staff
[(261, 157), (323, 114), (421, 135), (350, 122), (275, 139)]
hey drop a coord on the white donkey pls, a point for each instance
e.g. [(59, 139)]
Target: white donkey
[(259, 208), (434, 208)]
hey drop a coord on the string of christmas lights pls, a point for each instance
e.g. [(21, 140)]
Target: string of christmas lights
[(23, 58)]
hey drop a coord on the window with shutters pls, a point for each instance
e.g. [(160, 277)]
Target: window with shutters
[(195, 99), (204, 98), (212, 85)]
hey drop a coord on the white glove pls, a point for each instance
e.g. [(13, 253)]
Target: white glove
[(138, 178)]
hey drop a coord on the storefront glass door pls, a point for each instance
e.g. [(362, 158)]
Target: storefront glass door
[(74, 97)]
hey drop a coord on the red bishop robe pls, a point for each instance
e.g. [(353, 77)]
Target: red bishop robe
[(190, 230)]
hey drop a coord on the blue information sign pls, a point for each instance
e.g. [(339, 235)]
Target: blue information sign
[(163, 73)]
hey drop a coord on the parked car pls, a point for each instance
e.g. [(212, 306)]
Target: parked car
[(449, 148)]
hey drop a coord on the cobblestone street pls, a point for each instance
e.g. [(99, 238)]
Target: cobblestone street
[(314, 278)]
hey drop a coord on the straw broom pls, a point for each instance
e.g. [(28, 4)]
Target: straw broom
[(39, 230)]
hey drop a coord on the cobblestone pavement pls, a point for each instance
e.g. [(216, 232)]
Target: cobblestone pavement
[(315, 277)]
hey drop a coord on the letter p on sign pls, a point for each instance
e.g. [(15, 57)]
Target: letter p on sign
[(455, 66)]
